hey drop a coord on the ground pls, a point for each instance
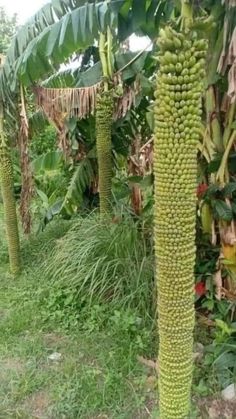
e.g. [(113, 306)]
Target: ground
[(99, 373), (94, 378)]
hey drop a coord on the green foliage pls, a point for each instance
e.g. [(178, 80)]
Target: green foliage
[(101, 262), (62, 187), (44, 18), (93, 74), (215, 196), (45, 208), (7, 29), (43, 141), (222, 211), (221, 353), (81, 180), (51, 181), (78, 28), (49, 162), (36, 247), (59, 29), (206, 257)]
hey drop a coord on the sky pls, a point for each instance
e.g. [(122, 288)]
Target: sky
[(23, 8), (26, 8)]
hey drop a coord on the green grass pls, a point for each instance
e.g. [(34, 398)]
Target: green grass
[(99, 339), (99, 262), (98, 375)]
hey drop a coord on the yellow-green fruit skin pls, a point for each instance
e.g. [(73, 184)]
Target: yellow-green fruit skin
[(177, 119), (9, 204), (104, 115)]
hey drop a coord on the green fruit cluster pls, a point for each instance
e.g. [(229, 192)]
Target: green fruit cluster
[(177, 122), (6, 180), (104, 116)]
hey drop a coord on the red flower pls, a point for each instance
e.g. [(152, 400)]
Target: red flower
[(201, 189), (200, 289)]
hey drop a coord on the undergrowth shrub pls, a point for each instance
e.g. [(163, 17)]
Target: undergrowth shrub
[(101, 262), (3, 242), (3, 251), (39, 246)]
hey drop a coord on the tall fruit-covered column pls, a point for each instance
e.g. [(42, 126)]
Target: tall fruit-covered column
[(104, 114), (177, 120), (9, 204), (104, 118)]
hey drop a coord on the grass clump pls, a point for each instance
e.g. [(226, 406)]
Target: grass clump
[(98, 374), (37, 246), (99, 261)]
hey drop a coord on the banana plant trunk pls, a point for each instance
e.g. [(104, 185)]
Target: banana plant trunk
[(9, 204), (104, 115), (177, 126)]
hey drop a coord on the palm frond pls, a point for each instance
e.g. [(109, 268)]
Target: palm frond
[(81, 180), (76, 30), (227, 59), (37, 122), (62, 78), (127, 64)]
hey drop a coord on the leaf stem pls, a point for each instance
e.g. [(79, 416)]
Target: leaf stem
[(223, 167), (102, 53), (186, 14)]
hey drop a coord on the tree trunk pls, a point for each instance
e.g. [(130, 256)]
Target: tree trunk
[(136, 169), (177, 121)]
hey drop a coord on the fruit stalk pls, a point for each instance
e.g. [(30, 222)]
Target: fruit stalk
[(9, 204), (104, 114), (177, 127)]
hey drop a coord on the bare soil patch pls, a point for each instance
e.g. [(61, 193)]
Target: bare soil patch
[(211, 408), (37, 405)]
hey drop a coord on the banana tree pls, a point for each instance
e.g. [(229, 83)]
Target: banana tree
[(219, 137), (64, 27), (47, 19), (77, 30), (60, 103), (10, 92), (68, 107)]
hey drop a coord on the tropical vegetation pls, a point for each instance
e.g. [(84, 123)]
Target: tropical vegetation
[(120, 165)]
